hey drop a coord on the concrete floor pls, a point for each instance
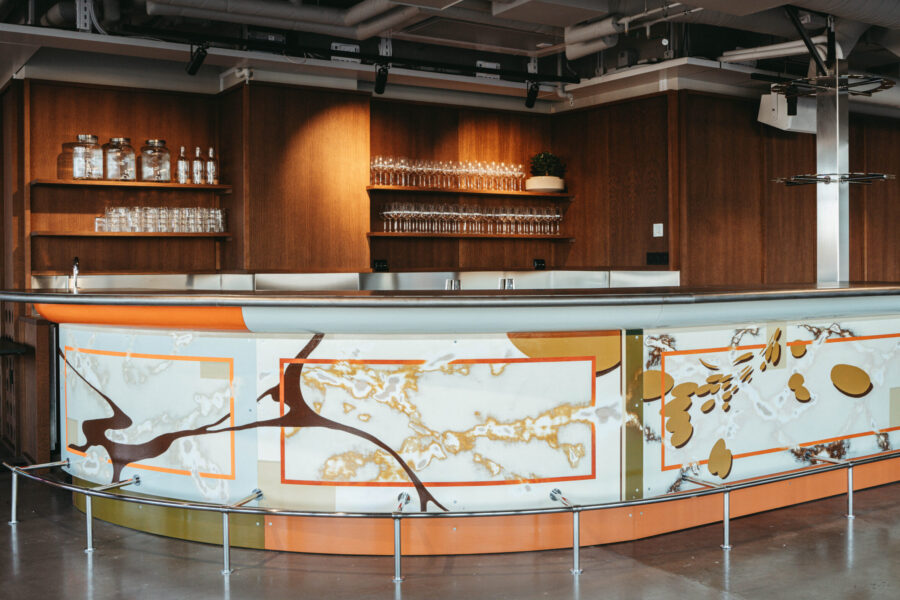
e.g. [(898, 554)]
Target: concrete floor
[(806, 551)]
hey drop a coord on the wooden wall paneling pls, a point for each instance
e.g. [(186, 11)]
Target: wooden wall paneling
[(33, 410), (417, 254), (125, 255), (415, 131), (62, 111), (674, 166), (637, 171), (308, 168), (724, 168), (582, 138), (882, 201), (511, 138), (789, 213), (858, 194), (233, 125)]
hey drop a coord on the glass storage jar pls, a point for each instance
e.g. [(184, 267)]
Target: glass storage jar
[(82, 159), (155, 161), (118, 159)]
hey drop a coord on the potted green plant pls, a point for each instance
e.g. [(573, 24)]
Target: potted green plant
[(547, 172)]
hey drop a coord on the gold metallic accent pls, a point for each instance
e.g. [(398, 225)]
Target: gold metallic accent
[(653, 382), (851, 381), (720, 460)]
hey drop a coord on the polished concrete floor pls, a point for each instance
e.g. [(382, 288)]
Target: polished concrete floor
[(806, 551)]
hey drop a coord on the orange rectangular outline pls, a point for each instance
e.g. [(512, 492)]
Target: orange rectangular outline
[(230, 362), (593, 474), (665, 467)]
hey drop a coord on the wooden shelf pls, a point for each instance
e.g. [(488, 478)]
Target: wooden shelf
[(479, 236), (129, 234), (457, 192), (152, 185)]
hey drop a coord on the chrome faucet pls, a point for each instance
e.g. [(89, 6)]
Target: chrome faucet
[(75, 276)]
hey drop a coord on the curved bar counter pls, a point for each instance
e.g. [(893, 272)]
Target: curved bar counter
[(470, 401)]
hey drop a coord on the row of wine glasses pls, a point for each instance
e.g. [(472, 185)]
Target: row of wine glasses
[(151, 219), (447, 174), (408, 217)]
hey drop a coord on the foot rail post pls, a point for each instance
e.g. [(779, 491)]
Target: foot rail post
[(839, 461), (398, 576), (576, 542), (402, 500), (226, 546), (726, 521), (726, 507), (850, 492), (226, 534), (15, 498), (89, 523), (89, 507)]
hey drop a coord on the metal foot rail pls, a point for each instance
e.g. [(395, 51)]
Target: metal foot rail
[(89, 508), (226, 540), (827, 464), (556, 496), (14, 500), (726, 507), (844, 463)]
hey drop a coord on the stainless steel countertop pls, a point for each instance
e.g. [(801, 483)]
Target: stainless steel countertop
[(461, 298)]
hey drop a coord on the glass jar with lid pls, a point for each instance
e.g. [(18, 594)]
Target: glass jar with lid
[(118, 159), (82, 159), (155, 161)]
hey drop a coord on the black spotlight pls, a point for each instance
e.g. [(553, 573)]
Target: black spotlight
[(533, 88), (198, 55), (381, 74)]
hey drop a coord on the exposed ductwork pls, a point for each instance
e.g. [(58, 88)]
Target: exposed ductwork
[(361, 21), (582, 40), (846, 34)]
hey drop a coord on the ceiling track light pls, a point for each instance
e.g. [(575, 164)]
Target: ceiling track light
[(381, 76), (531, 96), (198, 55)]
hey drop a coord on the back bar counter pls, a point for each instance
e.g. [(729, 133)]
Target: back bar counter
[(339, 400)]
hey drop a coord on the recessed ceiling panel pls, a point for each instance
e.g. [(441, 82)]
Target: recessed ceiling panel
[(441, 29), (559, 13)]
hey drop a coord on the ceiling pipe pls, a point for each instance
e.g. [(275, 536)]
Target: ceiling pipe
[(264, 13), (592, 32), (576, 51), (273, 9)]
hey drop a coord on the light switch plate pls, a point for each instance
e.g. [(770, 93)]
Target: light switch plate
[(657, 230)]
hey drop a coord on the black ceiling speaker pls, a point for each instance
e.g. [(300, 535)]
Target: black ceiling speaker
[(533, 88), (198, 55), (381, 75)]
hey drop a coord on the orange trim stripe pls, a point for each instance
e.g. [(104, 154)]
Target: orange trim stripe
[(228, 318)]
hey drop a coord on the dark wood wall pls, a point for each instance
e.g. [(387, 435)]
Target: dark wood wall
[(297, 163), (738, 227), (618, 171)]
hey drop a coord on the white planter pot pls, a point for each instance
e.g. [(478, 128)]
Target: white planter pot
[(545, 183)]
